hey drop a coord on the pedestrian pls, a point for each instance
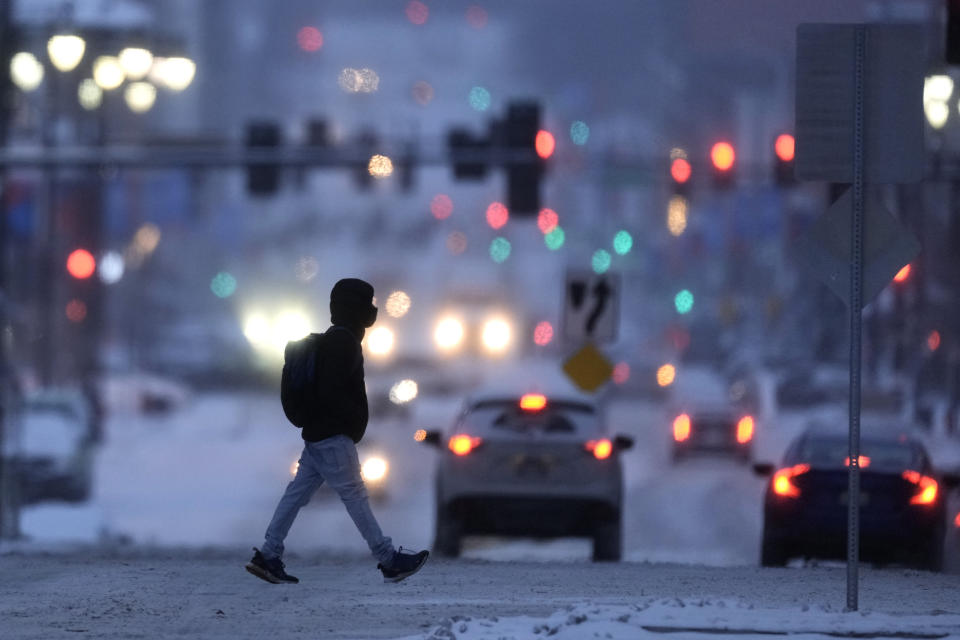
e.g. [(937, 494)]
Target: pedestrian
[(329, 452)]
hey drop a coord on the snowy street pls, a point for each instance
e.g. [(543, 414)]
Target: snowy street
[(207, 594)]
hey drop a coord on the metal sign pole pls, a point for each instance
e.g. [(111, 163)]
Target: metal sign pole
[(856, 316)]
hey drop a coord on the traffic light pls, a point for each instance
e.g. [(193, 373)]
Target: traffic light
[(722, 160), (460, 142), (784, 148), (263, 178), (680, 172), (520, 132)]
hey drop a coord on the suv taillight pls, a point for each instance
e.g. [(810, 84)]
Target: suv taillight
[(601, 449), (745, 429), (681, 427), (462, 444), (927, 487), (782, 480)]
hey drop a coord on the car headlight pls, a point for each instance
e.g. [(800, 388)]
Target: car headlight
[(496, 335), (374, 469), (380, 341), (256, 329), (448, 334)]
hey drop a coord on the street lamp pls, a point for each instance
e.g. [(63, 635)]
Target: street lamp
[(66, 51), (140, 96), (107, 72), (26, 71), (175, 73), (135, 62)]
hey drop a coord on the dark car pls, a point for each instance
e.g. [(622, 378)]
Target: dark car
[(902, 501), (529, 465), (720, 429)]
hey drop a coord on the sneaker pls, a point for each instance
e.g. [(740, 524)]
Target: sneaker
[(403, 565), (269, 569)]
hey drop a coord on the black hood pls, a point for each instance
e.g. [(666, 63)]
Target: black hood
[(351, 305)]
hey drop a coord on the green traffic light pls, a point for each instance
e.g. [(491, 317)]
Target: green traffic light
[(683, 301)]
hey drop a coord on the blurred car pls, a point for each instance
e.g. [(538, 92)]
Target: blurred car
[(374, 468), (54, 459), (529, 465), (719, 429), (902, 501)]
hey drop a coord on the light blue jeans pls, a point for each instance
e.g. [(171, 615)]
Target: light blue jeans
[(335, 461)]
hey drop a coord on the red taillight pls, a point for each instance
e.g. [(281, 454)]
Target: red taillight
[(745, 429), (782, 485), (927, 487), (681, 427), (533, 401), (463, 444), (956, 521), (601, 449), (864, 461)]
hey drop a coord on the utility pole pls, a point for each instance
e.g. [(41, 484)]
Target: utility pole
[(9, 504)]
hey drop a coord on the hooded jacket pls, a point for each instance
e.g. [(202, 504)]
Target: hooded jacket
[(340, 385)]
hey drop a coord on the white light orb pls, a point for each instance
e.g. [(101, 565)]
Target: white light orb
[(26, 71), (89, 94), (107, 72), (66, 51), (140, 96), (135, 62)]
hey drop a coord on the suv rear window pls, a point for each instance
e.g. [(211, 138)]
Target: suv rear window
[(507, 416), (883, 455)]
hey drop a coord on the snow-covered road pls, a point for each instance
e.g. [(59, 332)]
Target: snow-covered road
[(139, 593)]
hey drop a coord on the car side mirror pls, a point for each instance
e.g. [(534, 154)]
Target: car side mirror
[(428, 437), (951, 480), (762, 468), (622, 443)]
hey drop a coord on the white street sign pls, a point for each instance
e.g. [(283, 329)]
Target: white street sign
[(591, 307)]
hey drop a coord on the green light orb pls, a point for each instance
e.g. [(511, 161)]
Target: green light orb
[(622, 243), (479, 99), (555, 239), (683, 301), (579, 132), (601, 261), (223, 285), (500, 250)]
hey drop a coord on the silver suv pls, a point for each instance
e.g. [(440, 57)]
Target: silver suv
[(529, 465)]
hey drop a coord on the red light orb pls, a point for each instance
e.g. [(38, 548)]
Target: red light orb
[(76, 310), (680, 170), (441, 206), (497, 215), (621, 372), (81, 264), (545, 144), (785, 146), (933, 340), (547, 220), (903, 274), (309, 39), (417, 12), (543, 334), (723, 156)]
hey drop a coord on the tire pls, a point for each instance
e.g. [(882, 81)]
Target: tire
[(772, 552), (608, 541), (447, 536)]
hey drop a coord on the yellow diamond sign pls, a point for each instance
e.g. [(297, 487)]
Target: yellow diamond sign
[(588, 368)]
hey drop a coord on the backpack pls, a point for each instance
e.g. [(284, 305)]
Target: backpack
[(299, 395)]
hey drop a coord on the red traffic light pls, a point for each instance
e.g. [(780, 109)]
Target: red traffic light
[(723, 156), (785, 147), (81, 264), (680, 170), (545, 144)]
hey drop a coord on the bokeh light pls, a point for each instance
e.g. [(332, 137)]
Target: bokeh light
[(677, 215), (136, 62), (622, 242), (723, 156), (785, 147), (666, 374), (933, 340), (547, 220), (448, 333), (903, 274), (422, 92), (683, 301), (404, 391), (500, 250), (76, 310), (601, 261), (111, 267), (223, 285), (309, 39), (477, 17), (497, 215), (81, 264), (26, 71), (417, 12), (678, 152), (543, 333), (496, 335), (359, 80), (545, 144), (380, 341), (441, 207), (555, 239), (479, 99), (140, 96), (89, 94), (457, 243), (621, 373), (380, 166), (579, 132), (680, 170), (420, 435), (107, 72), (306, 269), (398, 304)]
